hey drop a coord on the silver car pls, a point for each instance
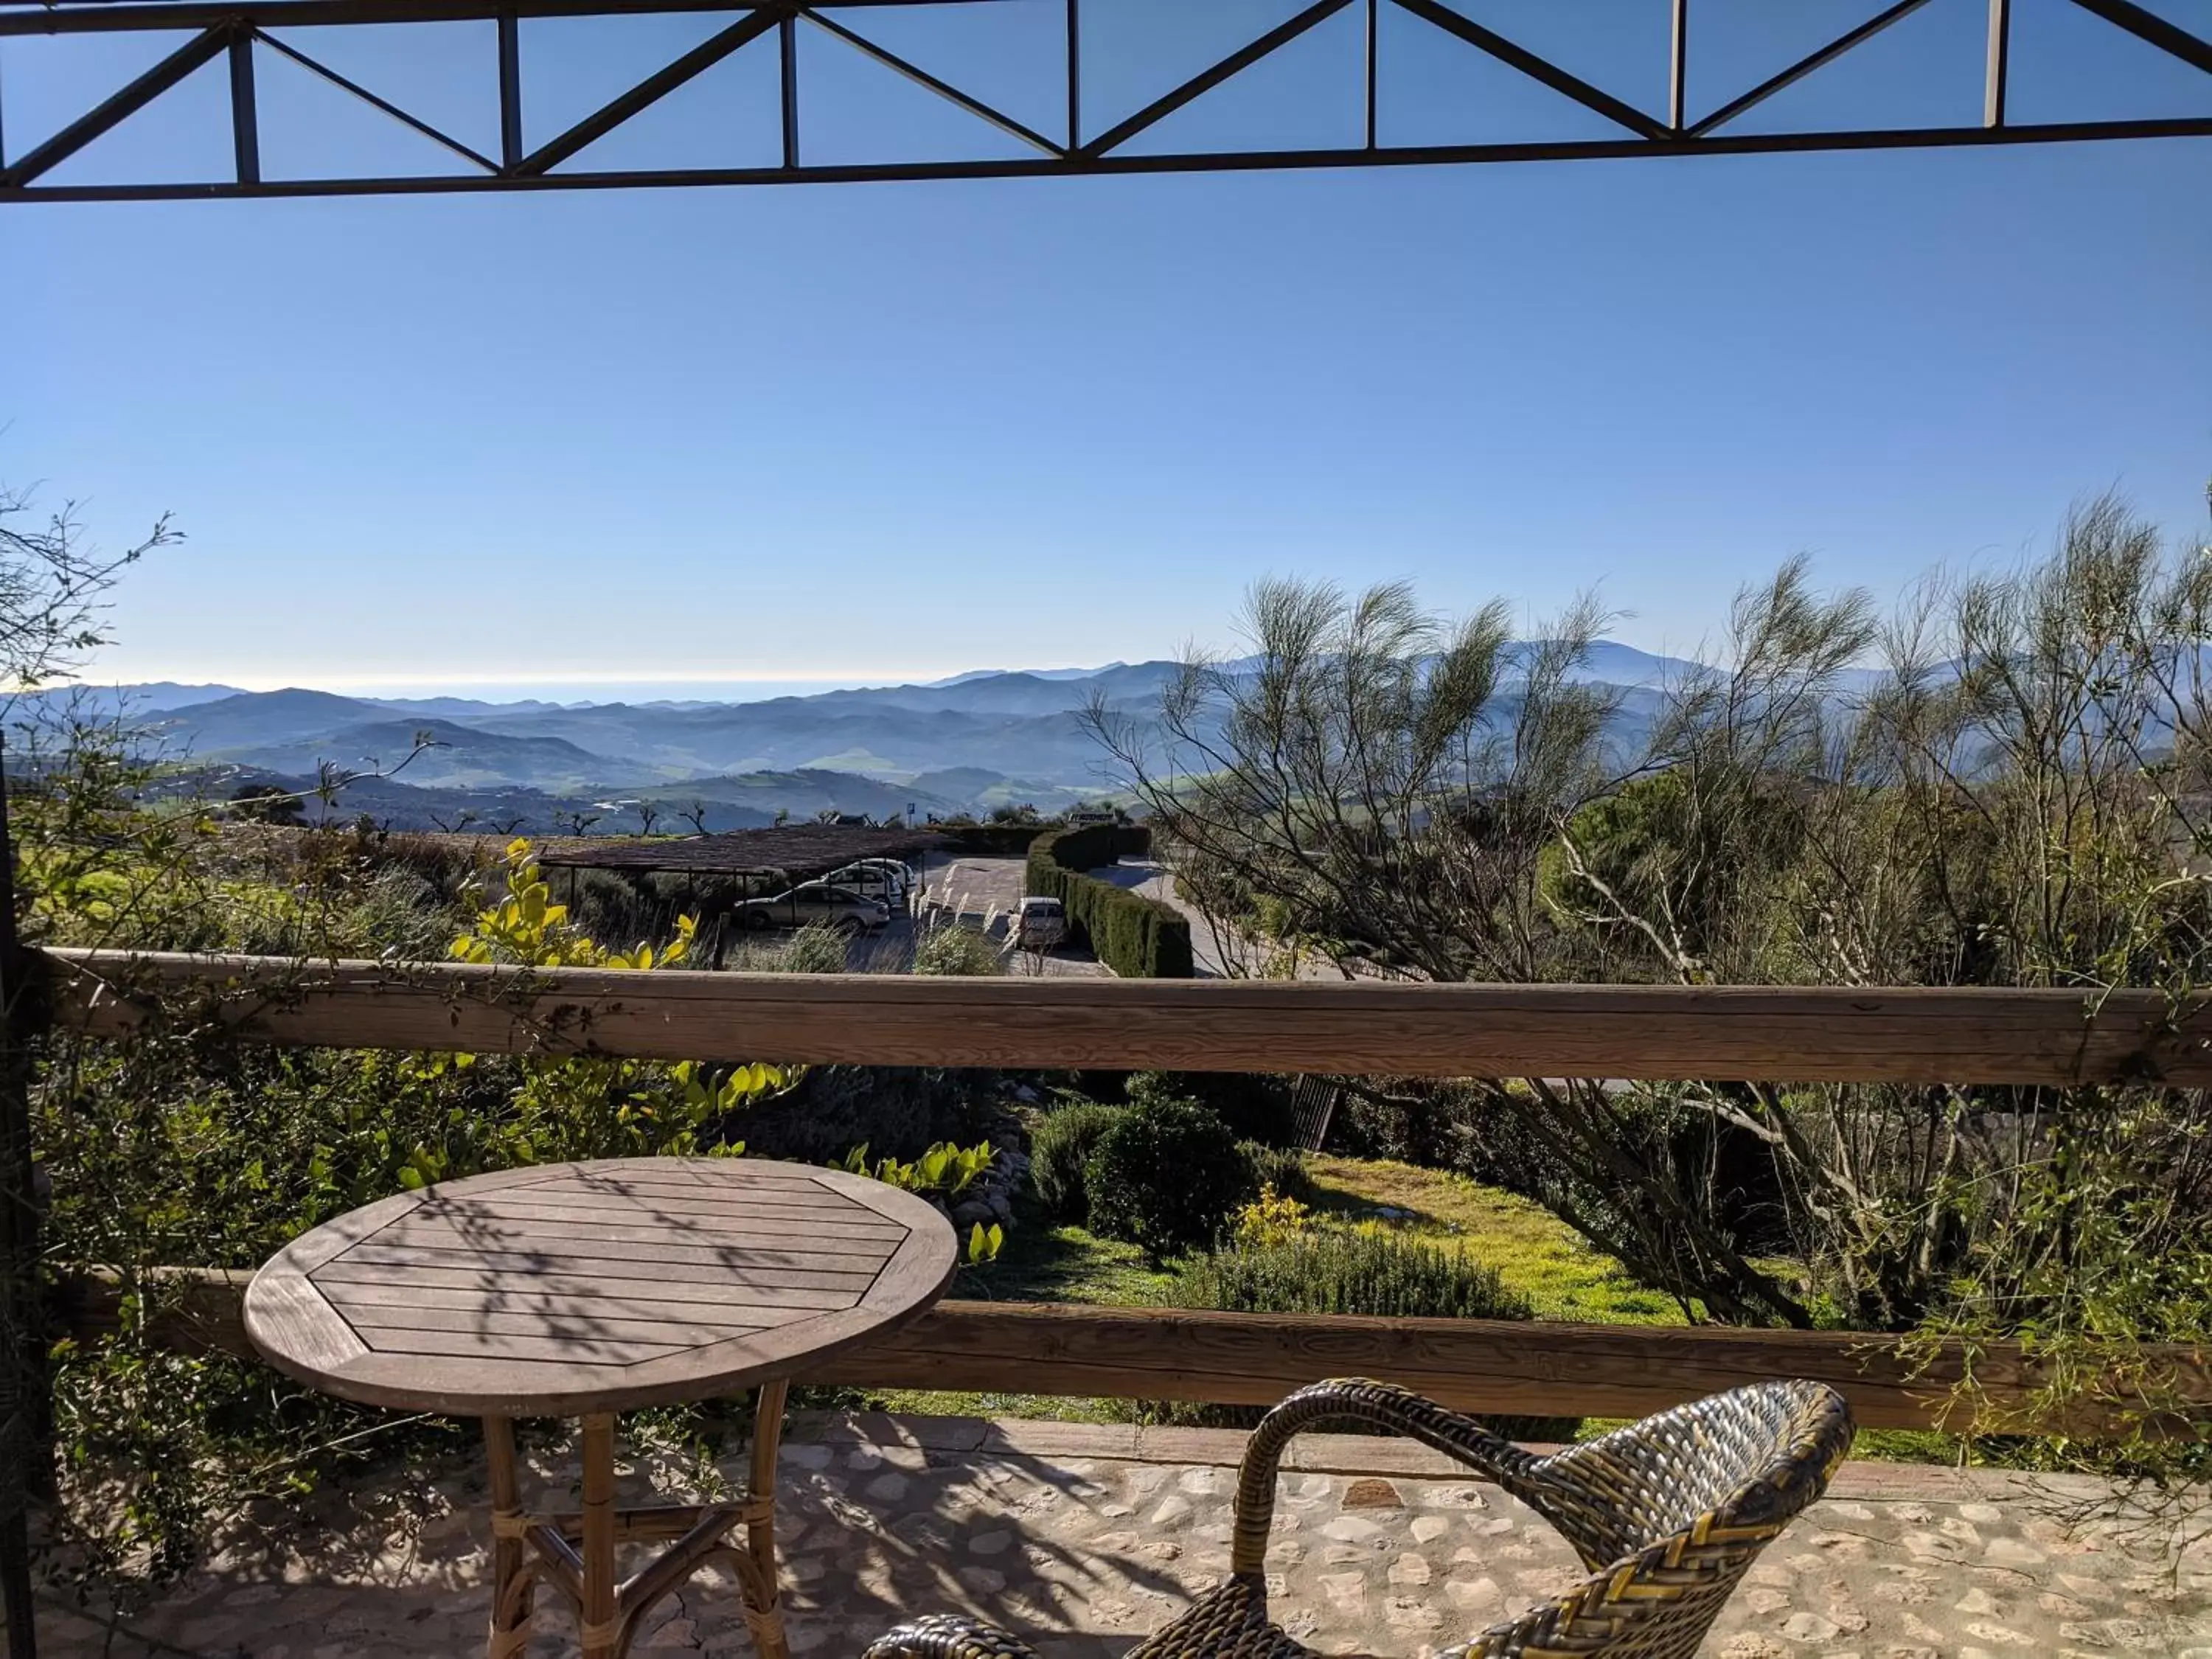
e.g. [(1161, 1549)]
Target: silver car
[(815, 902)]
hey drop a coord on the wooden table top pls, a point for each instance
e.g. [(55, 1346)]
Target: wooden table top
[(569, 1288)]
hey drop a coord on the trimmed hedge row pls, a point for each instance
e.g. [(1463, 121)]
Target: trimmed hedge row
[(1137, 938), (990, 839), (999, 840)]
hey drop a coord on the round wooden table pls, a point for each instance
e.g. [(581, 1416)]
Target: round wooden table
[(583, 1290)]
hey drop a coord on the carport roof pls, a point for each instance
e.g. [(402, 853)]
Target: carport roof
[(797, 850)]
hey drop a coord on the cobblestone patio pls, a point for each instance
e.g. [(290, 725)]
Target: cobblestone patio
[(1089, 1537)]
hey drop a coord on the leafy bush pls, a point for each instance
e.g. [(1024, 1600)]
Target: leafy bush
[(184, 1145), (1350, 1270), (1256, 1105), (1137, 938), (956, 951), (1270, 1219), (1165, 1175), (945, 1169), (1061, 1149), (1279, 1169), (897, 1111)]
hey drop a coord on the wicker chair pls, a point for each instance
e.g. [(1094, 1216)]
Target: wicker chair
[(1667, 1514)]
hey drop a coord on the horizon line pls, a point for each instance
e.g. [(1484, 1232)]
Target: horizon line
[(364, 683)]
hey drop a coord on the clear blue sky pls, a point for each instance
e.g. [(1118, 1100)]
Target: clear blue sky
[(874, 431)]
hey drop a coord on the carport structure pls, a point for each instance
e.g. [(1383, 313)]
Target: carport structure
[(758, 861), (784, 851), (1704, 99)]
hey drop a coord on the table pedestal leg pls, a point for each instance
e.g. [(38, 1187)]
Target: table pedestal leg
[(763, 1611), (511, 1579), (526, 1546), (602, 1633)]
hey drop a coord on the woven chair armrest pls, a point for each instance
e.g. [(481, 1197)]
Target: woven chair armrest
[(1352, 1399), (948, 1635)]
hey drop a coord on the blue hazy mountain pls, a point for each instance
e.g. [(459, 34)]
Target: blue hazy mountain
[(975, 740)]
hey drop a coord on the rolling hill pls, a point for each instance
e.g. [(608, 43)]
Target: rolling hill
[(977, 741)]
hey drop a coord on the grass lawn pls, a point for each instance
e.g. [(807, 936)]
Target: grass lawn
[(1040, 1263), (1532, 1250), (1536, 1254)]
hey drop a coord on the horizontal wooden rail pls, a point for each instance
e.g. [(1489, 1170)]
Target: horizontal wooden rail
[(1842, 1035), (1523, 1369)]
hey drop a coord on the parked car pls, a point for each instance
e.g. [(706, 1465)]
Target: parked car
[(883, 879), (815, 902), (1039, 924)]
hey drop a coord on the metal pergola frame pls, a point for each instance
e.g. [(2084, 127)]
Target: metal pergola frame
[(235, 30)]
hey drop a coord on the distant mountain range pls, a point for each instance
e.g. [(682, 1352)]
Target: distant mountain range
[(969, 743)]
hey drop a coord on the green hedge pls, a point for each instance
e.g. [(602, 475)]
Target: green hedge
[(990, 839), (1000, 840), (1137, 938)]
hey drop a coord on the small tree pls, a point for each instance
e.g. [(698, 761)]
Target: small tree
[(54, 589)]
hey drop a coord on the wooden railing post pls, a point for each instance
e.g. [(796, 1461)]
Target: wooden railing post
[(23, 1406)]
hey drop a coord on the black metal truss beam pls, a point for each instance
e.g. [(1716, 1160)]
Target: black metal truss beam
[(134, 16), (237, 27)]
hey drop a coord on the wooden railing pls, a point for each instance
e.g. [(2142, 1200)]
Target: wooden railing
[(1535, 1368), (1962, 1036), (1841, 1035)]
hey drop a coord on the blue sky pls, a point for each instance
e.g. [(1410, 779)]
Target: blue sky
[(845, 433)]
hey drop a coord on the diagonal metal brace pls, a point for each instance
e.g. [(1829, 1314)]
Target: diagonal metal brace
[(1203, 82), (2145, 25), (122, 105), (1539, 69), (1805, 65), (382, 105), (649, 91), (922, 77)]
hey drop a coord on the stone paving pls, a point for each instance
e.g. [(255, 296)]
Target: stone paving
[(1087, 1538)]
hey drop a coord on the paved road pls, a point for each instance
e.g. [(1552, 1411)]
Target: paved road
[(984, 892), (1156, 881), (981, 893)]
